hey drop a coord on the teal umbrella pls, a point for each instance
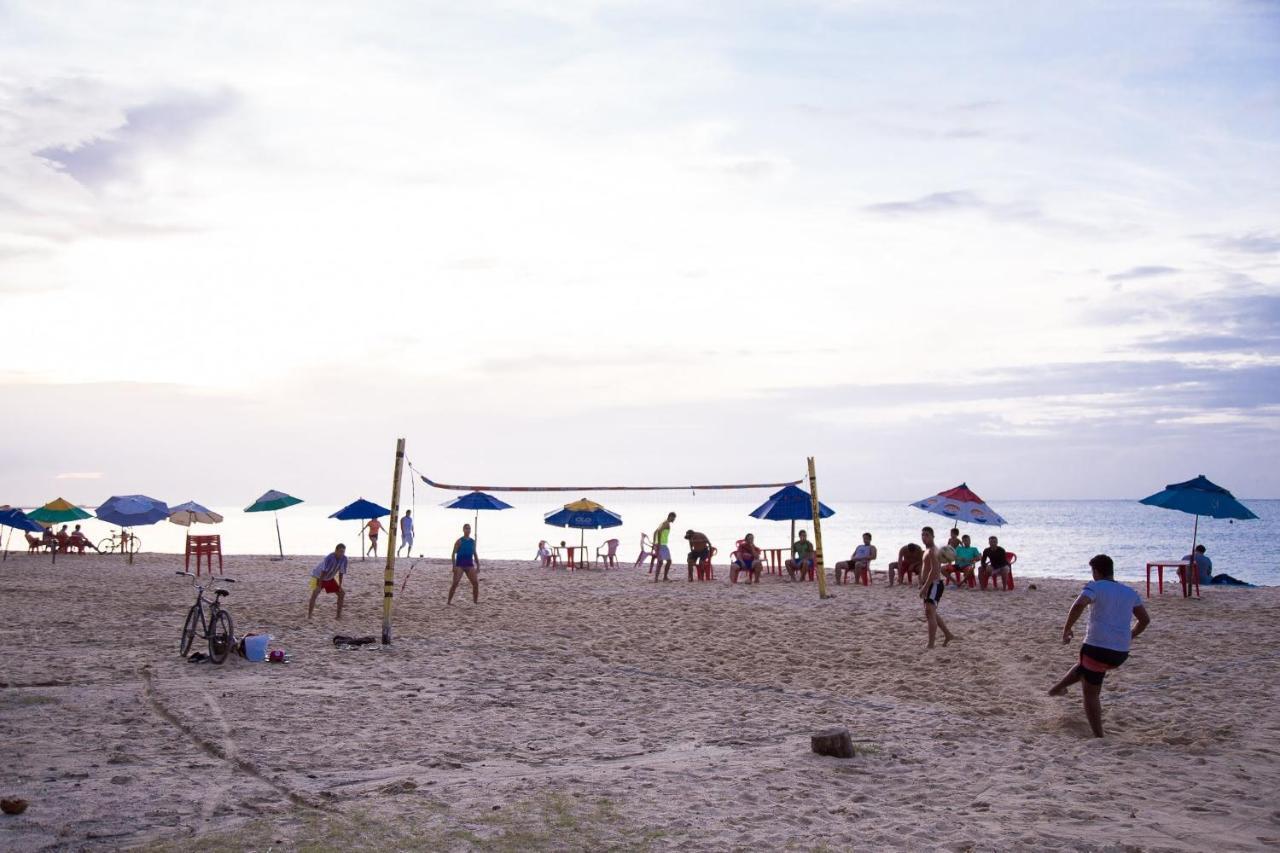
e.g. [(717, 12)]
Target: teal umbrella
[(1198, 497), (273, 501)]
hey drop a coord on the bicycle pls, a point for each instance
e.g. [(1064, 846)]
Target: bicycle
[(216, 627), (116, 545)]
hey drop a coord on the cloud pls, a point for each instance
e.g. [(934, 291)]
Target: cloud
[(1242, 321), (165, 124), (940, 202), (1253, 242), (1132, 273)]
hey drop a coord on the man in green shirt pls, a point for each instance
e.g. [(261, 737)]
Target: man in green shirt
[(663, 551), (967, 558), (802, 560)]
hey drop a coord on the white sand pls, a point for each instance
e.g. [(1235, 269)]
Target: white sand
[(596, 709)]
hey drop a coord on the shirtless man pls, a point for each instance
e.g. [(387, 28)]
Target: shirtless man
[(931, 587), (662, 550), (700, 547), (860, 562), (907, 564)]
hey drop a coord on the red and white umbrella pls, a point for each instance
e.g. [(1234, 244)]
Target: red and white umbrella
[(961, 504)]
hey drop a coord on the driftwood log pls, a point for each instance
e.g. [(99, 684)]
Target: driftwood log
[(834, 742)]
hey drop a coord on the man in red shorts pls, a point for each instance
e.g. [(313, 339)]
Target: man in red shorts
[(328, 577)]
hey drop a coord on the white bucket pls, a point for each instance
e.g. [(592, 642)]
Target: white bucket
[(255, 647)]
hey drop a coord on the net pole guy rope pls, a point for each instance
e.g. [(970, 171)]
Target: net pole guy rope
[(389, 575), (817, 530)]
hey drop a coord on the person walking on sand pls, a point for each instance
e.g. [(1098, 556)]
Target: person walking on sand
[(1106, 642), (931, 587), (660, 539), (406, 534), (374, 527), (327, 577), (465, 562)]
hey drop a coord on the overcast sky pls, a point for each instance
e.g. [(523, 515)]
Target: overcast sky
[(1034, 246)]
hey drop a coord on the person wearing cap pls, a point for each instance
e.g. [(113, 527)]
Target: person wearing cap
[(327, 577)]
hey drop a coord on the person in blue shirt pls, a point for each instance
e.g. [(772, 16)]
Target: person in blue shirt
[(1204, 570), (466, 562), (406, 534)]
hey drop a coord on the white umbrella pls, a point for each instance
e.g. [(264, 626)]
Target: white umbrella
[(193, 513)]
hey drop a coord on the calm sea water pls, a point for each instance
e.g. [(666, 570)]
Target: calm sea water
[(1051, 538)]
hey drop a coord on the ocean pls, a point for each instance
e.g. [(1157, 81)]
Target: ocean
[(1051, 538)]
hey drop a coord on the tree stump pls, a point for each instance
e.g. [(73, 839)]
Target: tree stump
[(835, 742)]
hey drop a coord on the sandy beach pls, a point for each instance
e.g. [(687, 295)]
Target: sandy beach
[(591, 710)]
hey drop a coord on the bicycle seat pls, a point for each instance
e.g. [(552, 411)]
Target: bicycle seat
[(222, 592)]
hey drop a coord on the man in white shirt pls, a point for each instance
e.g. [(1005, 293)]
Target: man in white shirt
[(860, 562), (1112, 606)]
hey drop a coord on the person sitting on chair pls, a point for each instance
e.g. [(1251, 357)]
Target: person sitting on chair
[(859, 563), (802, 560), (748, 558), (64, 539), (1204, 569), (80, 541), (700, 548), (966, 558), (995, 563), (544, 553), (910, 556)]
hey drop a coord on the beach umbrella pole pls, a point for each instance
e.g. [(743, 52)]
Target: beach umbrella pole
[(1191, 564), (279, 541)]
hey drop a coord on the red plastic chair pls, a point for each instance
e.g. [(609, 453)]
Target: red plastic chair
[(1008, 573), (703, 569), (957, 575), (862, 576)]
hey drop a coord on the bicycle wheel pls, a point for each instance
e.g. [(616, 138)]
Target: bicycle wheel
[(189, 630), (106, 546), (135, 544), (220, 636)]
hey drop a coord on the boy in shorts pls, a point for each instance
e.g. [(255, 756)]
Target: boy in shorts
[(327, 577), (931, 586), (1107, 640)]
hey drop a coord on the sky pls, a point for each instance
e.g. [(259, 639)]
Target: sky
[(1031, 246)]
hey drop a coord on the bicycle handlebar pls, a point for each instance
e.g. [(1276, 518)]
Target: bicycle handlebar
[(224, 580)]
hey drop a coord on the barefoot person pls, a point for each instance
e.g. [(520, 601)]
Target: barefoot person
[(801, 557), (700, 548), (374, 527), (859, 564), (1106, 642), (327, 577), (931, 586), (406, 534), (907, 564), (748, 558), (465, 562), (662, 568)]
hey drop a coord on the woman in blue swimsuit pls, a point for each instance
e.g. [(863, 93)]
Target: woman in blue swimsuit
[(466, 561)]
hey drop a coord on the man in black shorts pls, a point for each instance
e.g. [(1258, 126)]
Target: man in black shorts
[(1106, 643), (699, 548)]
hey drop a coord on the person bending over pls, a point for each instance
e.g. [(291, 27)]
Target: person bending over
[(465, 562), (327, 577), (748, 558), (802, 560), (1106, 642), (860, 561), (700, 548), (931, 586)]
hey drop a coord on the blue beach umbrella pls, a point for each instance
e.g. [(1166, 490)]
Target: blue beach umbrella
[(790, 503), (17, 519), (583, 515), (361, 510), (1200, 497), (132, 511), (477, 501)]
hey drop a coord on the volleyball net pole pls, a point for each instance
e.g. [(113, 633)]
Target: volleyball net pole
[(389, 574), (819, 569)]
